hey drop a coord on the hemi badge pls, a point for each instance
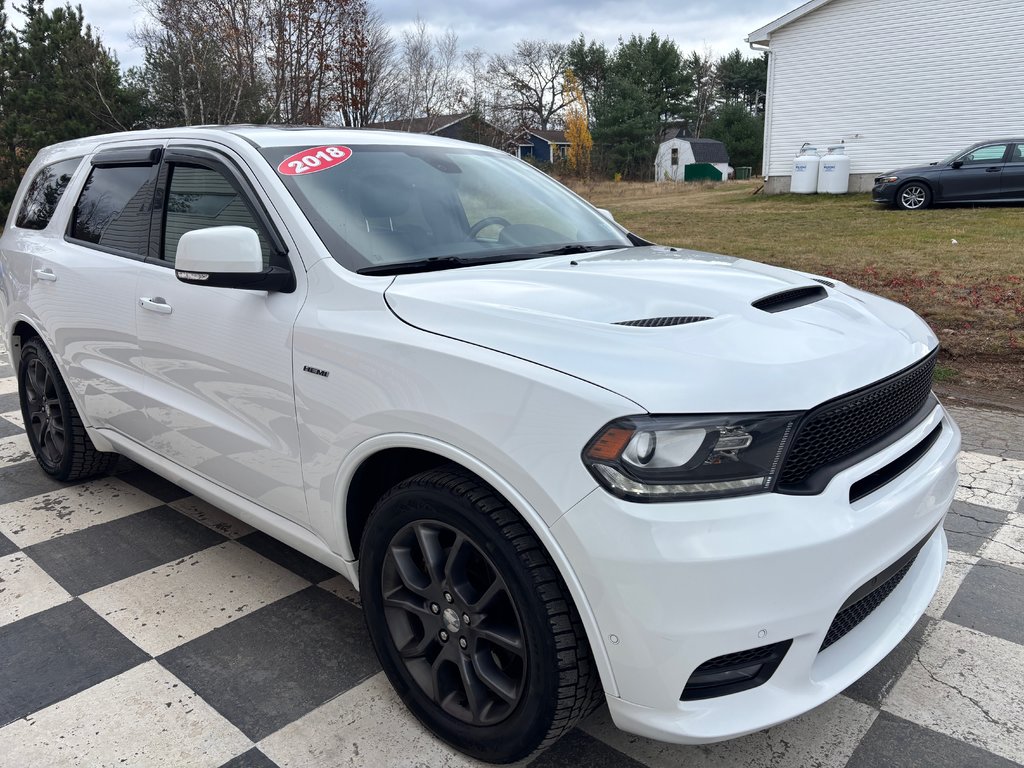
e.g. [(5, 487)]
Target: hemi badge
[(317, 371)]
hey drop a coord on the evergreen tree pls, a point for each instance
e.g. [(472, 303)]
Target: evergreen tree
[(741, 132), (644, 91)]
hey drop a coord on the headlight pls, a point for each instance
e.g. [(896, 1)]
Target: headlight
[(668, 458), (888, 179)]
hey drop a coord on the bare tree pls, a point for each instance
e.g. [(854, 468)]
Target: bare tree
[(531, 82), (367, 71), (429, 76), (700, 66)]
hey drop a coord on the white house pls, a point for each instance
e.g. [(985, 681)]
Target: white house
[(899, 82), (677, 151)]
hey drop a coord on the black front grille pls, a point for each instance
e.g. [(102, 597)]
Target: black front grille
[(661, 322), (870, 595), (844, 427), (848, 618)]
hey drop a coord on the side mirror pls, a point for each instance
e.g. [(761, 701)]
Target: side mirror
[(957, 163), (228, 257)]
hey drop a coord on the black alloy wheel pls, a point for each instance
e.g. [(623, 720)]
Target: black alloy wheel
[(55, 431), (470, 619)]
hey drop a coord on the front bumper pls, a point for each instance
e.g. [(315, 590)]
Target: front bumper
[(674, 585), (884, 193)]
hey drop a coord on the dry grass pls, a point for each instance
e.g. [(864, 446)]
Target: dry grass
[(970, 291)]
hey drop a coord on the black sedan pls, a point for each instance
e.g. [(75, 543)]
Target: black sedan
[(987, 172)]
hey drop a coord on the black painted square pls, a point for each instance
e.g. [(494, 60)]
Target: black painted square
[(102, 554), (579, 748), (286, 557), (7, 546), (9, 428), (57, 653), (969, 526), (251, 759), (991, 600), (896, 743), (21, 481), (153, 484), (278, 663)]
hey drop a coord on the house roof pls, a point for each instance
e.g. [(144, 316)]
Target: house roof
[(553, 137), (430, 124), (675, 132), (763, 35), (704, 150)]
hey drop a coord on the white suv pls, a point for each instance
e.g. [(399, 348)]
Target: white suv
[(564, 465)]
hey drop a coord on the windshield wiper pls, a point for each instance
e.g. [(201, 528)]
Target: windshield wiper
[(436, 263), (571, 248)]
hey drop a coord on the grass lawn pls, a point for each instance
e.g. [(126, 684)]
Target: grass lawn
[(971, 291)]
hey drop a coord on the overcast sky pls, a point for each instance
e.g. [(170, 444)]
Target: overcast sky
[(494, 25)]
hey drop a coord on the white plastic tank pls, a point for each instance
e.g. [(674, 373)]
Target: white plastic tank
[(805, 171), (834, 171)]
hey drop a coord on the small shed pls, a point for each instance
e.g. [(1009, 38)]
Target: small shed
[(677, 150), (543, 146)]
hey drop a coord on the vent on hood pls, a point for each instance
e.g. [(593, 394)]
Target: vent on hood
[(823, 281), (791, 299), (661, 322)]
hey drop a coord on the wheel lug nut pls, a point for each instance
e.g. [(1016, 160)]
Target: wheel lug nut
[(448, 597), (444, 636), (465, 619), (462, 643), (435, 608)]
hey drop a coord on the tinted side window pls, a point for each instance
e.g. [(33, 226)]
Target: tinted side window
[(114, 208), (200, 197), (44, 193)]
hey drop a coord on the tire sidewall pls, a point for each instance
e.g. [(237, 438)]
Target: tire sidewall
[(905, 187), (34, 350), (520, 733)]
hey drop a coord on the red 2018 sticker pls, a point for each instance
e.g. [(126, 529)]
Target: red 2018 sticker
[(313, 160)]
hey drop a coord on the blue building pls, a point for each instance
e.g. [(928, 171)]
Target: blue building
[(543, 146)]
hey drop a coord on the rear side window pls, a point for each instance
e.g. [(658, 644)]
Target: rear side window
[(201, 197), (44, 193), (114, 208)]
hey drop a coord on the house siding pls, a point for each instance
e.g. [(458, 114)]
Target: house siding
[(900, 83)]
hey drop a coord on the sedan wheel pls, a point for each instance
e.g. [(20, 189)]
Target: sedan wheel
[(913, 196), (470, 620)]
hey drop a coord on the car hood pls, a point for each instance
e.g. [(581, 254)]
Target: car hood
[(914, 170), (563, 313)]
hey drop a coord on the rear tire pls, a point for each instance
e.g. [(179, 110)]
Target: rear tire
[(442, 547), (913, 196), (56, 433)]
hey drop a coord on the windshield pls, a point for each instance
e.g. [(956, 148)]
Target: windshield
[(377, 207)]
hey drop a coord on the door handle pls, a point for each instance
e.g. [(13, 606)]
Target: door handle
[(45, 274), (155, 304), (996, 169)]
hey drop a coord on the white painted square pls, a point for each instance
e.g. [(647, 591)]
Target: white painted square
[(15, 450), (48, 515), (957, 566), (967, 685), (8, 384), (367, 726), (25, 588), (990, 481), (14, 417), (212, 517), (825, 737), (143, 717), (1007, 544), (177, 602), (342, 587)]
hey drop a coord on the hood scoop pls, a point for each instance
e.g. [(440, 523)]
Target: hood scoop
[(662, 322), (790, 299)]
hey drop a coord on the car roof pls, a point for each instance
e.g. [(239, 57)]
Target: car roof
[(262, 136)]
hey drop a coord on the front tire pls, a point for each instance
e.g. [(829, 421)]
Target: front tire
[(913, 196), (441, 548), (56, 433)]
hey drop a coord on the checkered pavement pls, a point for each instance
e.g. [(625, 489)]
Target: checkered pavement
[(139, 626)]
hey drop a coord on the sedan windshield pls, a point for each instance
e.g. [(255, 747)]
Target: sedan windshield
[(390, 209)]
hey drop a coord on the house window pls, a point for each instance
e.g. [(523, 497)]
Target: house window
[(675, 155)]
